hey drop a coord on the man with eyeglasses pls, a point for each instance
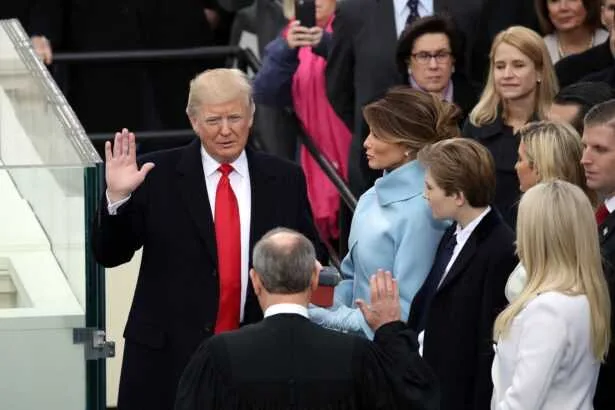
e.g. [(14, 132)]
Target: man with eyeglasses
[(196, 211)]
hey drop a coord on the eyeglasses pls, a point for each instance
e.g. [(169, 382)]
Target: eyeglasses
[(217, 121), (423, 57)]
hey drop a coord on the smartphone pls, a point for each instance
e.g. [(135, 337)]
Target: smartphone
[(305, 12)]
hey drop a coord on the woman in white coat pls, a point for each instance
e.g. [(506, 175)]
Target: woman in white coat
[(552, 338)]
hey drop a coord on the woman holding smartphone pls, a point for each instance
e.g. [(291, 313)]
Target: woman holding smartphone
[(293, 76)]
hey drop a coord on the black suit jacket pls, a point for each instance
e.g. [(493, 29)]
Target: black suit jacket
[(604, 398), (500, 140), (574, 68), (176, 298), (287, 362), (361, 67), (606, 76), (458, 330)]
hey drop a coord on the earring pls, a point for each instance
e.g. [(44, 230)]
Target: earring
[(407, 153), (539, 81), (453, 70)]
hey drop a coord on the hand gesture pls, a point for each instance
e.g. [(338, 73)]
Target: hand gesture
[(299, 36), (42, 48), (384, 307), (121, 171)]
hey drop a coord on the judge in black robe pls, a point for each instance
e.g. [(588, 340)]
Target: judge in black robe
[(287, 362)]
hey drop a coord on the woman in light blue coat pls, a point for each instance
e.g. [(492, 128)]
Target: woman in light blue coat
[(392, 227)]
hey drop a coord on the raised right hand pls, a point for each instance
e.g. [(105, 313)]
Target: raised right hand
[(384, 305), (121, 171)]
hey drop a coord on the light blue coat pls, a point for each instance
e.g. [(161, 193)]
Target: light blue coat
[(392, 229)]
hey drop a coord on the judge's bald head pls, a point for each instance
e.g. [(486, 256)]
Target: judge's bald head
[(285, 261)]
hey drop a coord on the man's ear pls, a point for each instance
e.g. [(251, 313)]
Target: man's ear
[(193, 122), (257, 284), (252, 111), (315, 275)]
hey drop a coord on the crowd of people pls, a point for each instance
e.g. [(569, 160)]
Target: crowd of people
[(479, 137)]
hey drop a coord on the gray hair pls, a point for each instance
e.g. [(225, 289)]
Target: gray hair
[(285, 261), (219, 86)]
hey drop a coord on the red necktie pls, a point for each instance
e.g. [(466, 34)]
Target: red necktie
[(601, 213), (228, 243)]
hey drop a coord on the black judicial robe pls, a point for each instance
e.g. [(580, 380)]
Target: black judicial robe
[(287, 362)]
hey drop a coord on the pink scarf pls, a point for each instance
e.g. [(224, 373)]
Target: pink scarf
[(329, 133)]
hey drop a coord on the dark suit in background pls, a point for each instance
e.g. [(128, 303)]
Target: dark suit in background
[(176, 298), (277, 128), (604, 399), (502, 142), (153, 95), (459, 321), (606, 76), (287, 362), (361, 66), (575, 67), (496, 15), (16, 9)]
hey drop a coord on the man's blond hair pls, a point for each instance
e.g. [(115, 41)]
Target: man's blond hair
[(218, 86)]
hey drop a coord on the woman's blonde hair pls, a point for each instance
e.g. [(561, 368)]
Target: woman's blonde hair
[(554, 151), (412, 118), (532, 45), (558, 246), (288, 9)]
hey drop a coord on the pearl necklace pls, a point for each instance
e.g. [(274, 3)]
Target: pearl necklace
[(560, 51)]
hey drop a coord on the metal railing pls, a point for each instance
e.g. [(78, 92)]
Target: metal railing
[(245, 60)]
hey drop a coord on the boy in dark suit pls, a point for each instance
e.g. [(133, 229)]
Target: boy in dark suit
[(464, 292), (287, 362)]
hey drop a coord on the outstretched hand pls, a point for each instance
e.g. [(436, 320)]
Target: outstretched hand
[(121, 171), (384, 304)]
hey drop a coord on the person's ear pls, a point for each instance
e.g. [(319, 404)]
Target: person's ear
[(314, 280), (193, 122), (252, 112), (315, 276), (257, 284)]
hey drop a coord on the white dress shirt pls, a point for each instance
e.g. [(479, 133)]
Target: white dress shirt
[(402, 12), (545, 361), (240, 182), (461, 236), (610, 204), (286, 308)]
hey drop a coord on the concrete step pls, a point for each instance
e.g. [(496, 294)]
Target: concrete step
[(6, 283), (8, 300)]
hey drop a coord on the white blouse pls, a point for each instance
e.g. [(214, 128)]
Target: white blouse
[(545, 361)]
